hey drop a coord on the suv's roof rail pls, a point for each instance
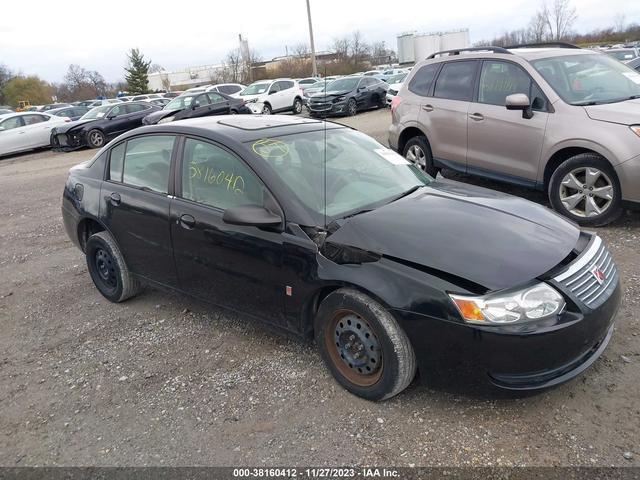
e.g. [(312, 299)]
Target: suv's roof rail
[(545, 44), (458, 51)]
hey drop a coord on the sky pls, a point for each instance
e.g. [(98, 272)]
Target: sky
[(43, 37)]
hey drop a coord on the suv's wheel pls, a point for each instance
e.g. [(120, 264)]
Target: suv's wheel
[(418, 152), (364, 347), (585, 188), (266, 109), (352, 107), (96, 138), (108, 269), (297, 106)]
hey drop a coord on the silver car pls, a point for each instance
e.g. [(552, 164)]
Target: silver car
[(560, 119)]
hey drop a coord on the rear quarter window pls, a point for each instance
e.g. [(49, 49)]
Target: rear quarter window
[(421, 82)]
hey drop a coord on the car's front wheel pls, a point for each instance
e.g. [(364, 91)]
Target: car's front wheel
[(108, 269), (585, 189), (95, 138), (352, 107), (362, 344), (266, 109)]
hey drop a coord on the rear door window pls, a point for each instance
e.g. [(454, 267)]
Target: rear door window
[(456, 80), (143, 162), (421, 82)]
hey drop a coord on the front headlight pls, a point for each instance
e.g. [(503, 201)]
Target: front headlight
[(253, 100), (338, 99), (635, 129), (166, 119), (533, 303)]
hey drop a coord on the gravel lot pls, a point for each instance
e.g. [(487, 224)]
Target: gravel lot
[(164, 380)]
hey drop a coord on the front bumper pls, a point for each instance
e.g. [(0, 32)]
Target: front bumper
[(67, 141), (328, 108), (255, 107), (507, 358)]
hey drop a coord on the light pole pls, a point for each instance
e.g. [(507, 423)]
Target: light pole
[(313, 48)]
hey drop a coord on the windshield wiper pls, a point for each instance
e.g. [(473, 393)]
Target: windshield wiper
[(359, 212), (406, 193)]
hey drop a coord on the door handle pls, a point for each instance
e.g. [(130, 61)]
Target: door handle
[(476, 116), (114, 199), (187, 221), (427, 108)]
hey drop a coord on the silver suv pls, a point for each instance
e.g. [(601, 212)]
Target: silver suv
[(559, 118)]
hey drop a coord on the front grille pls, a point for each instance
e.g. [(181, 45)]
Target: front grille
[(581, 280), (319, 105), (393, 92), (62, 139)]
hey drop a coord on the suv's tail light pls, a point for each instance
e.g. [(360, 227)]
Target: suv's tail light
[(395, 102)]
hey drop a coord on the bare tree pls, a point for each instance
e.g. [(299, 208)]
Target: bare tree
[(619, 22), (233, 66), (156, 68), (538, 30), (5, 76), (560, 19), (358, 48), (340, 47)]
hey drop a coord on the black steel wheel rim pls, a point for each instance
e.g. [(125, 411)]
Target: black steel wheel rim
[(105, 267)]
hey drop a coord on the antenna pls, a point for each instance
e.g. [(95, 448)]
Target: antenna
[(325, 149)]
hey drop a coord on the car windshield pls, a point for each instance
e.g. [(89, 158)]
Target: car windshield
[(589, 79), (360, 173), (179, 103), (256, 88), (623, 54), (397, 78), (343, 84), (97, 112)]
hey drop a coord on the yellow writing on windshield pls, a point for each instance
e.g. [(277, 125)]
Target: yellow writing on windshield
[(269, 148)]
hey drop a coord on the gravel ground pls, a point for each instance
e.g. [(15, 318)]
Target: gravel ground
[(164, 380)]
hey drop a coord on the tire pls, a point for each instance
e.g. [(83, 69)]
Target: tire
[(108, 269), (297, 106), (349, 321), (233, 112), (266, 109), (352, 107), (418, 152), (95, 138), (585, 189)]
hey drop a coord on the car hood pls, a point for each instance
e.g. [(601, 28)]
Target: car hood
[(248, 98), (155, 117), (625, 113), (396, 86), (486, 237), (73, 125), (330, 94)]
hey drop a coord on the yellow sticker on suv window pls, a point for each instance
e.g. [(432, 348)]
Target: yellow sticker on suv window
[(269, 148)]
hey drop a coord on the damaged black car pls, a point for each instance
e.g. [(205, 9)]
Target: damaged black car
[(318, 229), (194, 105), (100, 124)]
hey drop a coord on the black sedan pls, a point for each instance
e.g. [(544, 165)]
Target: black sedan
[(96, 127), (348, 95), (193, 105), (317, 229)]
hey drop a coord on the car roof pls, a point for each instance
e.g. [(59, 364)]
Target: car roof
[(21, 114)]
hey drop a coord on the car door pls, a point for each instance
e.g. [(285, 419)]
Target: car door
[(37, 130), (238, 267), (273, 96), (135, 201), (500, 140), (12, 137), (117, 121), (363, 93), (444, 114)]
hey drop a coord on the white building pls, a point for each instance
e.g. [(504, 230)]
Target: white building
[(413, 47), (187, 78)]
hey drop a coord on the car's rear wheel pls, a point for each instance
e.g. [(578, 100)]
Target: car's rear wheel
[(363, 346), (418, 152), (585, 189), (352, 107), (108, 269), (266, 109), (297, 106), (95, 138)]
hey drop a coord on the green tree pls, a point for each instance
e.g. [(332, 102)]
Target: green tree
[(33, 89), (137, 75)]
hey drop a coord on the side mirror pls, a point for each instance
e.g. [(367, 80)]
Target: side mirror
[(111, 116), (271, 92), (251, 216), (519, 101), (1, 129)]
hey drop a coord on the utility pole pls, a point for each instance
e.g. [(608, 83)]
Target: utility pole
[(313, 48)]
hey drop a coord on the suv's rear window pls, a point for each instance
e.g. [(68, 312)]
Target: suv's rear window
[(422, 80), (455, 81)]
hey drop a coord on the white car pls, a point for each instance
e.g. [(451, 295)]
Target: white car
[(99, 103), (27, 130), (231, 89), (273, 96), (395, 84)]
